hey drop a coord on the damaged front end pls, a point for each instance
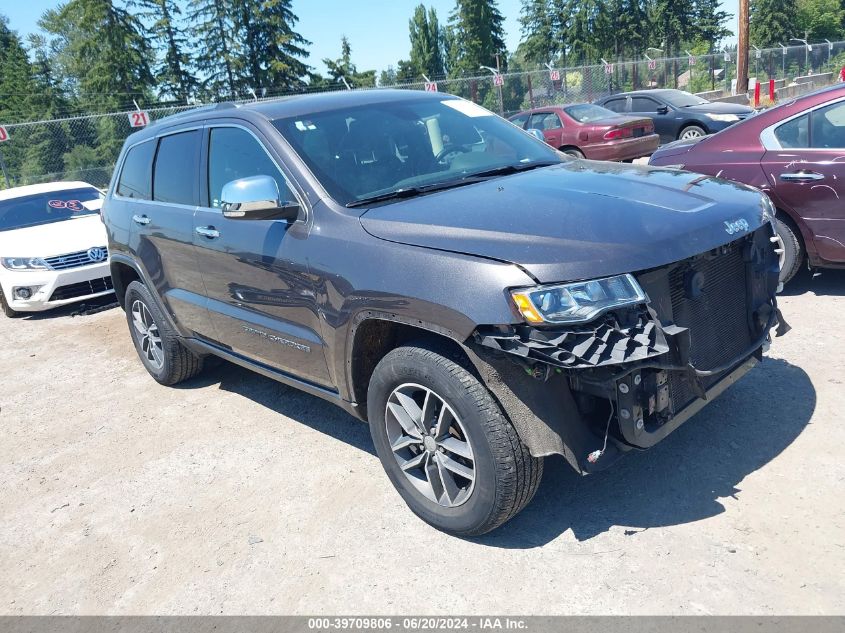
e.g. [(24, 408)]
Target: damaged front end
[(634, 374)]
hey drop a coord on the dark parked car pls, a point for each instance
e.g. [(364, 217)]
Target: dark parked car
[(479, 299), (678, 114), (793, 152), (587, 130)]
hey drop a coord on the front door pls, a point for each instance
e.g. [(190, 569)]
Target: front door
[(807, 172), (549, 124), (662, 115), (260, 293)]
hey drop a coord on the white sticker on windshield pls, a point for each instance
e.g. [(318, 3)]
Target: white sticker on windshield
[(467, 107)]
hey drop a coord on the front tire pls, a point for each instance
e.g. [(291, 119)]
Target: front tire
[(445, 444), (158, 346), (793, 251), (572, 151), (692, 131), (12, 314)]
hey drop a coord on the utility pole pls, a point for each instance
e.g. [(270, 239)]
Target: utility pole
[(742, 49)]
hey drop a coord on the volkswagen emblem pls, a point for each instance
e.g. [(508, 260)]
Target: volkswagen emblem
[(96, 254)]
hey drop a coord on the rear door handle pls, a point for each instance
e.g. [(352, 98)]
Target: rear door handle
[(208, 231), (802, 176), (140, 219)]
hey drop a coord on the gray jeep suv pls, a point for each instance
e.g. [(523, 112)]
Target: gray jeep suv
[(480, 299)]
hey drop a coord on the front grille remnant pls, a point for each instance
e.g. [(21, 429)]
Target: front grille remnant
[(709, 297), (82, 289), (582, 347)]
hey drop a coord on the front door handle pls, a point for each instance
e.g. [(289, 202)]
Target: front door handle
[(802, 176), (140, 219), (208, 231)]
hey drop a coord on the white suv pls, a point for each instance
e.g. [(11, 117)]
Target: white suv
[(52, 246)]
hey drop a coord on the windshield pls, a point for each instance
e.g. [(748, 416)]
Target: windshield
[(681, 99), (366, 151), (587, 112), (44, 208)]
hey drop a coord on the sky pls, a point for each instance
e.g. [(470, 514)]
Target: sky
[(377, 29)]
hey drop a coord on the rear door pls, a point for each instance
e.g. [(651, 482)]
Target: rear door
[(550, 125), (261, 296), (805, 165), (664, 123), (158, 187)]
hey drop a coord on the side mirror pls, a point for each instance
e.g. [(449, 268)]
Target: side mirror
[(256, 198), (663, 110), (536, 134)]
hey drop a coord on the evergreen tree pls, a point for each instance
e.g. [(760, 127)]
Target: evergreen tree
[(477, 36), (427, 43), (343, 67), (820, 19), (539, 40), (101, 50), (172, 72), (710, 22), (214, 36), (773, 22), (270, 59)]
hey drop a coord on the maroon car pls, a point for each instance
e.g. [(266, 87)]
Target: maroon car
[(795, 152), (591, 131)]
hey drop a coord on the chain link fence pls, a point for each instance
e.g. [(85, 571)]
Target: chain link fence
[(86, 147)]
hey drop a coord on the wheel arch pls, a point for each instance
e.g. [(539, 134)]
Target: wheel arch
[(123, 273), (375, 334)]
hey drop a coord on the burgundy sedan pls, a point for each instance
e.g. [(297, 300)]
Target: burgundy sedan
[(795, 152), (591, 131)]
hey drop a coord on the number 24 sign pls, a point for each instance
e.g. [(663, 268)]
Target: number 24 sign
[(139, 118)]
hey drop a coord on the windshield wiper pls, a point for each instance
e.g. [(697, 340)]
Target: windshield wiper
[(411, 192)]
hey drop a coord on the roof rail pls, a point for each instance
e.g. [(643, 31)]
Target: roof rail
[(224, 105)]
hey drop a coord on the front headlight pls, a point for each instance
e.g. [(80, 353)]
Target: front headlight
[(23, 263), (577, 302), (724, 118)]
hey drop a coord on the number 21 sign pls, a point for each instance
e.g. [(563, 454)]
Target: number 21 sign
[(139, 118)]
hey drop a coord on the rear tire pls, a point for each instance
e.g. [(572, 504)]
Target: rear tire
[(497, 476), (572, 151), (158, 345), (692, 131), (793, 250), (12, 314)]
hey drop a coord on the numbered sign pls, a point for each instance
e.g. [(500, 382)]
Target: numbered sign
[(431, 86), (608, 69), (139, 118), (758, 54), (652, 64), (498, 80), (554, 75), (691, 60), (4, 134), (727, 57)]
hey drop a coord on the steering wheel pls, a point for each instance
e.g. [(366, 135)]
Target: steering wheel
[(451, 148)]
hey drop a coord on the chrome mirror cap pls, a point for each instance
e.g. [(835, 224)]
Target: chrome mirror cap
[(244, 196)]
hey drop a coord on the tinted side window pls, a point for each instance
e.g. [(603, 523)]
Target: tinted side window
[(174, 178), (617, 105), (643, 104), (828, 127), (136, 175), (793, 134), (235, 153)]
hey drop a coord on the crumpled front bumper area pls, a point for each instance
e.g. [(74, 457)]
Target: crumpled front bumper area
[(635, 374), (599, 344)]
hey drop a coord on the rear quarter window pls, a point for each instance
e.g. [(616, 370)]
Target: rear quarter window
[(136, 174)]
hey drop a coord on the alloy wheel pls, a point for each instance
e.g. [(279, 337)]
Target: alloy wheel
[(430, 445), (691, 133), (148, 334)]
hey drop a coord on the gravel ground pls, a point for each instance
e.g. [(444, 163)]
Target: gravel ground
[(233, 494)]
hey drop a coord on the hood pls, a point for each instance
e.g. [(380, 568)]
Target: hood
[(719, 107), (55, 238), (577, 220)]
